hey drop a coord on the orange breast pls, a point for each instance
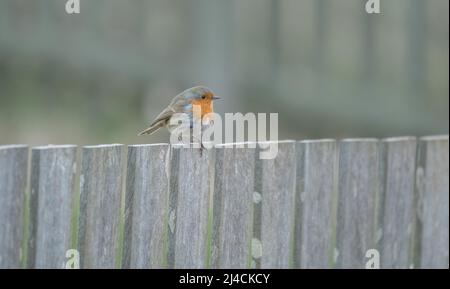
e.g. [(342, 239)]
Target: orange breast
[(206, 106)]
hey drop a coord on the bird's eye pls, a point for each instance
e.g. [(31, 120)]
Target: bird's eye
[(203, 96)]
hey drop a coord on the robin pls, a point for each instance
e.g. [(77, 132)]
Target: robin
[(195, 102)]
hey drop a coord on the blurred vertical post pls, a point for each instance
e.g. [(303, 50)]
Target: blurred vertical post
[(321, 40), (275, 41), (212, 47), (368, 45), (416, 48)]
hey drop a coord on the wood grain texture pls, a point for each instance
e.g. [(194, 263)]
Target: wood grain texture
[(275, 221), (432, 181), (358, 185), (188, 207), (232, 209), (13, 180), (316, 168), (146, 208), (53, 170), (396, 202), (100, 196), (264, 213)]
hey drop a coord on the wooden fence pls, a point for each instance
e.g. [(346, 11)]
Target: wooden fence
[(318, 204)]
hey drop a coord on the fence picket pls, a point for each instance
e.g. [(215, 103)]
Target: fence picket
[(432, 180), (358, 184), (53, 170), (146, 206), (232, 210), (275, 221), (100, 194), (316, 167), (396, 202), (188, 207), (13, 180)]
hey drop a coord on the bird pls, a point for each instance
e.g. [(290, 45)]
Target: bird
[(200, 96)]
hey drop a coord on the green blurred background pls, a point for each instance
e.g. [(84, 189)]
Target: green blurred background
[(326, 66)]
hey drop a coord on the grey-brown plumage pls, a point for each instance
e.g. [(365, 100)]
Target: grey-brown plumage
[(183, 103)]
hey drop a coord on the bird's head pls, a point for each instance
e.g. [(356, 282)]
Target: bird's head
[(200, 94), (201, 97)]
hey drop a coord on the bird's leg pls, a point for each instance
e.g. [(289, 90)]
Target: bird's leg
[(202, 147)]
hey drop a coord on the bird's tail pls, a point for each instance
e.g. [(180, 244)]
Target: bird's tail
[(151, 129)]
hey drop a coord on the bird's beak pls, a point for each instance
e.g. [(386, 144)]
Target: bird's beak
[(215, 97)]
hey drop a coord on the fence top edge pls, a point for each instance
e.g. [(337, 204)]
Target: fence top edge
[(52, 147), (315, 141), (148, 145), (442, 137), (287, 141), (232, 144), (359, 140), (184, 146), (249, 142), (13, 146), (399, 139), (102, 146)]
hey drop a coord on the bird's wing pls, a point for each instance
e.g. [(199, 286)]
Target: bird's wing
[(176, 106), (151, 129), (159, 121), (163, 116)]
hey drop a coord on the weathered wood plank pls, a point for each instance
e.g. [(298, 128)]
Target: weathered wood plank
[(146, 207), (275, 221), (188, 207), (100, 196), (316, 167), (13, 179), (432, 181), (168, 198), (396, 201), (358, 185), (53, 170), (232, 206)]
